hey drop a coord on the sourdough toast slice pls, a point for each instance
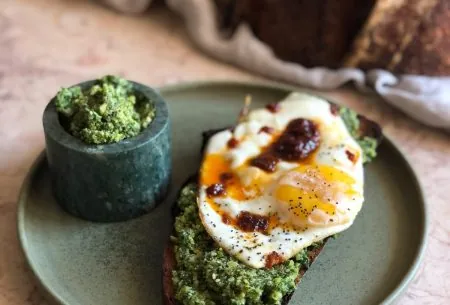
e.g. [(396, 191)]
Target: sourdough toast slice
[(169, 261), (364, 129)]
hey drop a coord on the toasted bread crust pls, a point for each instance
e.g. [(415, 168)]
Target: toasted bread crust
[(168, 266), (312, 255)]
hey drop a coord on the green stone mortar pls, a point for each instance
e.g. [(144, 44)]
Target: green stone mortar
[(111, 182)]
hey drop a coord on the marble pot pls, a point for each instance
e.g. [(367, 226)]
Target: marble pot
[(111, 182)]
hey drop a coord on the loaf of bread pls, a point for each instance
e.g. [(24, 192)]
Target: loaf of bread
[(402, 36)]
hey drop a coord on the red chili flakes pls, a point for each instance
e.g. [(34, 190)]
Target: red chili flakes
[(334, 109), (226, 219), (250, 222), (298, 141), (232, 143), (267, 162), (216, 189), (266, 129), (273, 259), (273, 107), (225, 177), (351, 156)]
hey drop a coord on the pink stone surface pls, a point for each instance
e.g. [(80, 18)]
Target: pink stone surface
[(46, 44)]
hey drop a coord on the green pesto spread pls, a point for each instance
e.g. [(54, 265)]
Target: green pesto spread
[(107, 112), (368, 145), (206, 275)]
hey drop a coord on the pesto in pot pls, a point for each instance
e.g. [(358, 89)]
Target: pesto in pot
[(105, 113)]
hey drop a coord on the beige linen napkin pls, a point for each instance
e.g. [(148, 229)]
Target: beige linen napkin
[(427, 99)]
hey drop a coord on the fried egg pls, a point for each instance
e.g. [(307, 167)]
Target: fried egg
[(288, 176)]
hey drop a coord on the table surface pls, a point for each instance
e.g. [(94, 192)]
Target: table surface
[(46, 44)]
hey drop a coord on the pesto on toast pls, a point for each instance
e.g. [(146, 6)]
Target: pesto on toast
[(197, 271)]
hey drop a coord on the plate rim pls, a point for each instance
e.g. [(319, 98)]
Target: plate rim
[(399, 289)]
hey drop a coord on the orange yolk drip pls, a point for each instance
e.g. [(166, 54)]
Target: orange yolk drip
[(317, 187), (342, 181), (331, 174), (215, 165), (301, 202)]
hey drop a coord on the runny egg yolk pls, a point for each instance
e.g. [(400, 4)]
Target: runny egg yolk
[(215, 168), (310, 194)]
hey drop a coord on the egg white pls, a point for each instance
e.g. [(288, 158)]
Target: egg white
[(252, 248)]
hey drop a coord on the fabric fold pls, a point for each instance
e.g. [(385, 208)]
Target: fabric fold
[(426, 99)]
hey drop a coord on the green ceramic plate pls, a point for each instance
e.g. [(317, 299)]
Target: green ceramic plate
[(83, 263)]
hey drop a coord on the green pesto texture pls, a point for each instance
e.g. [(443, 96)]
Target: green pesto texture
[(107, 112), (368, 145), (206, 275)]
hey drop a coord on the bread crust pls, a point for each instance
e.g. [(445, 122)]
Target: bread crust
[(168, 266)]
